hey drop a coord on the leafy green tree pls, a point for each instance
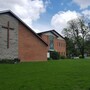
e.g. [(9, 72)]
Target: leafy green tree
[(70, 48), (87, 45), (77, 31)]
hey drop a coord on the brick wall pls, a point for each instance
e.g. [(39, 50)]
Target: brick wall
[(30, 47), (59, 44), (46, 39)]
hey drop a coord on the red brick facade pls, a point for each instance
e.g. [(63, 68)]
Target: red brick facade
[(31, 48), (59, 44)]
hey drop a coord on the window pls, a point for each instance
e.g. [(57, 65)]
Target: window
[(59, 44), (51, 38)]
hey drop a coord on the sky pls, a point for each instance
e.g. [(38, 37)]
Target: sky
[(44, 15)]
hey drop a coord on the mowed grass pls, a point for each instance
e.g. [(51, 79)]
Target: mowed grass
[(50, 75)]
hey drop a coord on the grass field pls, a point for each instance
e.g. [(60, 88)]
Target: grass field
[(51, 75)]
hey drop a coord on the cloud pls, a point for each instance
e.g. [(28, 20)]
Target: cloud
[(39, 27), (82, 3), (47, 3), (27, 10), (59, 20), (86, 13)]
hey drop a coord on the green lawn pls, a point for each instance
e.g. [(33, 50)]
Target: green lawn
[(51, 75)]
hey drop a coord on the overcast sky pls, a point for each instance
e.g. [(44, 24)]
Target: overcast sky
[(42, 15)]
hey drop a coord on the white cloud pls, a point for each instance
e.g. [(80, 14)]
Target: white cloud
[(59, 20), (86, 13), (82, 3), (41, 27), (27, 10), (47, 3)]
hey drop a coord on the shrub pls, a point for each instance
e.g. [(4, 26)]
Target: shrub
[(16, 60), (10, 61), (62, 57), (55, 55), (49, 58), (6, 61), (80, 56)]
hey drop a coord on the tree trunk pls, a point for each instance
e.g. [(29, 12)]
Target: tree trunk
[(82, 55), (82, 52)]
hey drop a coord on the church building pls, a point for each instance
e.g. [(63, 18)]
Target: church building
[(18, 40), (55, 42)]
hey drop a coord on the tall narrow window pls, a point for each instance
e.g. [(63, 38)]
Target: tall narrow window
[(59, 44), (51, 38)]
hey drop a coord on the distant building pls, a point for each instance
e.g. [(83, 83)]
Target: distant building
[(55, 41)]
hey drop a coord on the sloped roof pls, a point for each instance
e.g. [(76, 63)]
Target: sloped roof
[(15, 16), (53, 32)]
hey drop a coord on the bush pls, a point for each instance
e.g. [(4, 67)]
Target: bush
[(10, 61), (16, 60), (6, 61), (49, 58), (55, 55), (80, 56), (62, 57)]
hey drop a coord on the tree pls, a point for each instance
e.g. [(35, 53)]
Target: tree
[(77, 31), (87, 45), (70, 48)]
